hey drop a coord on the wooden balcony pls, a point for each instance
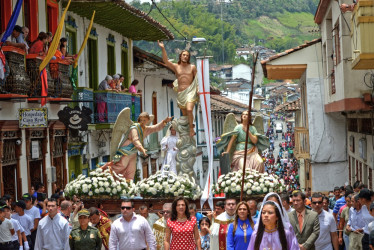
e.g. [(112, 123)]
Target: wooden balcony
[(301, 149), (362, 36)]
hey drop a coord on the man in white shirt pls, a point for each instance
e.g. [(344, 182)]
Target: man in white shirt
[(286, 202), (6, 229), (12, 39), (34, 213), (131, 231), (53, 230), (220, 226), (328, 238), (18, 230), (150, 217), (24, 220)]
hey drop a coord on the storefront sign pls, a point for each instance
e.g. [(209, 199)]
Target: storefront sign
[(76, 118), (33, 118)]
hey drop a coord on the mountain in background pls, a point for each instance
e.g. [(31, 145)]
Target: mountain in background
[(227, 25)]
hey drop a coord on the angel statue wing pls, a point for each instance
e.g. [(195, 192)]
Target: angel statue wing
[(263, 142), (259, 124), (228, 128), (121, 126)]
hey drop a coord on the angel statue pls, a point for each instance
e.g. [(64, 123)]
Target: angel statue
[(127, 139), (233, 137)]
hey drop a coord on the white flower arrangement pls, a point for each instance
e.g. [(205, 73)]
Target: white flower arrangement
[(168, 185), (101, 184), (255, 183)]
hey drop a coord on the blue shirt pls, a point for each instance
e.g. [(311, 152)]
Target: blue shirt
[(236, 242), (339, 203), (198, 216)]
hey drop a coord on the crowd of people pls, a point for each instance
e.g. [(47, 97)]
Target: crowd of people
[(284, 164)]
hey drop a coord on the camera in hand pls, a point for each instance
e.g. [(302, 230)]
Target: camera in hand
[(41, 196)]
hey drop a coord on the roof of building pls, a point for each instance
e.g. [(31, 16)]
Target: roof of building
[(223, 104), (121, 17), (142, 54), (287, 52), (321, 11), (243, 49), (289, 106)]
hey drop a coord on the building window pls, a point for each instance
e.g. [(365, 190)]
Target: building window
[(352, 125), (92, 63), (336, 44), (366, 127), (171, 108), (111, 64), (125, 63), (30, 7), (332, 81), (52, 15), (370, 178)]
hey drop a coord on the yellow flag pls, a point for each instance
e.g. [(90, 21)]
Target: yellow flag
[(84, 41), (56, 39)]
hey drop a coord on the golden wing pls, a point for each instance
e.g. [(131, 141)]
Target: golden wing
[(121, 126)]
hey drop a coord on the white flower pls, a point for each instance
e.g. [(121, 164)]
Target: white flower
[(281, 189), (233, 189), (114, 191), (228, 182), (271, 185), (249, 192), (175, 193), (261, 180), (258, 189), (97, 191), (238, 188), (108, 190), (255, 184), (90, 193), (226, 189), (265, 190), (101, 190), (271, 190), (262, 185), (254, 188)]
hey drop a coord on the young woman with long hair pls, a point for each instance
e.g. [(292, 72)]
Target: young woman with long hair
[(272, 232), (240, 231), (181, 228)]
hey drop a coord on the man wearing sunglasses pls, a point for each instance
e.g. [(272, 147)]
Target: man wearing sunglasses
[(131, 231), (160, 225), (328, 238)]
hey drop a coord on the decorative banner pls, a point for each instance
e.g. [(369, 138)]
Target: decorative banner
[(204, 88), (75, 119), (33, 118)]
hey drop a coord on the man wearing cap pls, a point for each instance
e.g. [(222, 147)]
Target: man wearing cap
[(24, 220), (34, 213), (12, 39), (6, 230), (84, 236), (53, 230)]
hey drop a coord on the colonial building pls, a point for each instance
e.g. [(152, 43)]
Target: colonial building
[(43, 149)]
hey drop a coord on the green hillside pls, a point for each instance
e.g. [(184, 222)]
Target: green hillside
[(276, 24)]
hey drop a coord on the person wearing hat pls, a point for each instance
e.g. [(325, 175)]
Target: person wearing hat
[(84, 236), (6, 230), (33, 212), (12, 39), (24, 220)]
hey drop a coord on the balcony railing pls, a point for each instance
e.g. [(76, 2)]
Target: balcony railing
[(302, 143), (24, 79), (109, 104)]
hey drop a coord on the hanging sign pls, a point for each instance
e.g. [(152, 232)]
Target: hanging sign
[(33, 117), (75, 119)]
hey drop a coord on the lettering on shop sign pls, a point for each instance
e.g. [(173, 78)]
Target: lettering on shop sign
[(75, 119), (33, 117)]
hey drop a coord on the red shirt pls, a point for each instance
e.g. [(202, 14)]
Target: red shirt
[(37, 47), (182, 234)]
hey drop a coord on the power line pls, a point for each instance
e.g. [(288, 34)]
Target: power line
[(154, 3)]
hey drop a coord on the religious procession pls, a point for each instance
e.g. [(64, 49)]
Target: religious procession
[(169, 125)]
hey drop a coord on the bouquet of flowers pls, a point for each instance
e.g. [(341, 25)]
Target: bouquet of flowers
[(255, 183), (101, 184), (168, 185)]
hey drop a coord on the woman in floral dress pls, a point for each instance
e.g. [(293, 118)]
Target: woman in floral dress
[(181, 228)]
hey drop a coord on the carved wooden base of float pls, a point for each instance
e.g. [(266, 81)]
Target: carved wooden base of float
[(112, 206)]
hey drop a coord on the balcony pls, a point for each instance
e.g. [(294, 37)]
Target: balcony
[(301, 149), (362, 37), (24, 82), (108, 104)]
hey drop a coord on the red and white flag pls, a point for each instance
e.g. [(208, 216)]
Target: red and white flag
[(204, 92)]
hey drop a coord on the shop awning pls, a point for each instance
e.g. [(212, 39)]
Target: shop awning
[(122, 18)]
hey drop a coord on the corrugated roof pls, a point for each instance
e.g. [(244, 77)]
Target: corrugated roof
[(121, 17), (289, 106)]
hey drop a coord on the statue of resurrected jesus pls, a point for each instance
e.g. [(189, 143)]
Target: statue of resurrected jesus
[(186, 84)]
